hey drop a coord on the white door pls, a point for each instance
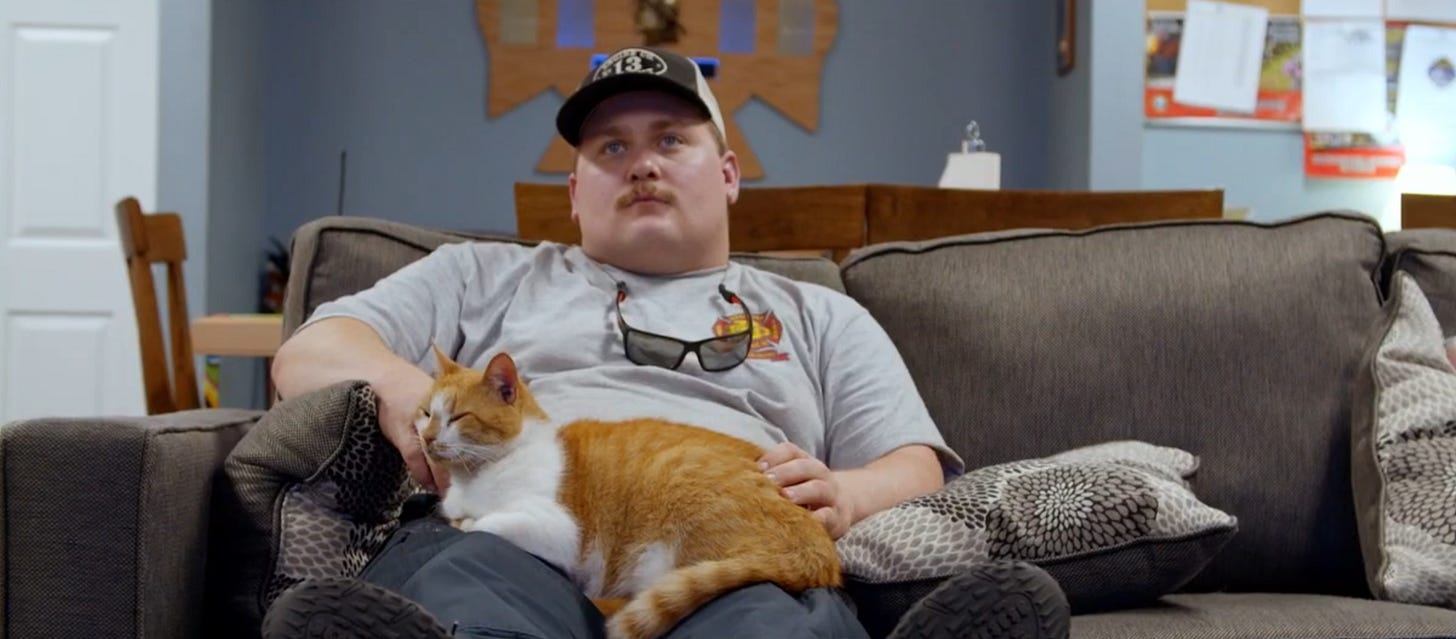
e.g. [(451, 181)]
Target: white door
[(78, 131)]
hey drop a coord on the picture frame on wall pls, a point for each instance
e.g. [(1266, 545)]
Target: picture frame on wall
[(1066, 35)]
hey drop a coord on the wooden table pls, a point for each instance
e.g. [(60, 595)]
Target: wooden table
[(237, 335)]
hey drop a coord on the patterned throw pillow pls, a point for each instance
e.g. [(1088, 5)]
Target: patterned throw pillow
[(1404, 457), (1116, 524), (313, 490)]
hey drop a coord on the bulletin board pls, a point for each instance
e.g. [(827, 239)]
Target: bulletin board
[(1280, 101)]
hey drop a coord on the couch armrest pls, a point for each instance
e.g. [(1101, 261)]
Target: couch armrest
[(104, 522)]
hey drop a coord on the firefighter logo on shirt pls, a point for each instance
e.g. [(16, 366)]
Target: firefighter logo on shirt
[(767, 331)]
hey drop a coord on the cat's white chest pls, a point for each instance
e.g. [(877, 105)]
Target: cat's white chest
[(516, 498)]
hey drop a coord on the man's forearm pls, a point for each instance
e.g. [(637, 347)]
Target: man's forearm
[(335, 350), (339, 349), (902, 474)]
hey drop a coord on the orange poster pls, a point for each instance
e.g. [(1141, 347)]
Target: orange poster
[(1280, 98), (1350, 155)]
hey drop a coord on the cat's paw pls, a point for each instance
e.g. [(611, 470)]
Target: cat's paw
[(634, 622), (511, 526)]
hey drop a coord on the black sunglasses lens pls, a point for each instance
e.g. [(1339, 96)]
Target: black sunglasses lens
[(725, 352), (643, 348)]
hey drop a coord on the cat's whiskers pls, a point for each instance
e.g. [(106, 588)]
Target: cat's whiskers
[(469, 456)]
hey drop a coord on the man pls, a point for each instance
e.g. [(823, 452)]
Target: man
[(601, 331)]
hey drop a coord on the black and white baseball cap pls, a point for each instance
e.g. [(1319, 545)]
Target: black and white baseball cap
[(635, 69)]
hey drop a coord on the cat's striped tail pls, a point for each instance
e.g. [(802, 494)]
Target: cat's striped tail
[(678, 594)]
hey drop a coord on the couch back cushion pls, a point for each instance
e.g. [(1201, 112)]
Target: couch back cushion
[(1429, 255), (339, 255), (1236, 341)]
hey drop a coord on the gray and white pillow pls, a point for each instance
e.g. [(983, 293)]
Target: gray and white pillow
[(1116, 524), (1404, 458)]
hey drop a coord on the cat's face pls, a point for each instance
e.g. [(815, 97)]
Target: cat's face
[(471, 417)]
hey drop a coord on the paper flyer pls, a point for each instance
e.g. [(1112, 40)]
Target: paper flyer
[(1351, 155), (1421, 10), (1342, 8), (1425, 112), (1344, 76), (1220, 55)]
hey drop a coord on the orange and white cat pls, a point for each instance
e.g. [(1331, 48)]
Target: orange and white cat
[(652, 519)]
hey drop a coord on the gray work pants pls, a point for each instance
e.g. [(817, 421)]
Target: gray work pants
[(484, 586)]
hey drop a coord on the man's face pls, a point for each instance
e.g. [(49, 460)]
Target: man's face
[(650, 181)]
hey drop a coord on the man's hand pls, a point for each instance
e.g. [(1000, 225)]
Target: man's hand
[(807, 482), (840, 499), (399, 397)]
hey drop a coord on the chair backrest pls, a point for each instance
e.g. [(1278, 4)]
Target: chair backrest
[(908, 213), (1427, 211), (148, 239), (779, 220)]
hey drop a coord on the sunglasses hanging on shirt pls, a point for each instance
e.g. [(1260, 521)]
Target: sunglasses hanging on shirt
[(715, 354)]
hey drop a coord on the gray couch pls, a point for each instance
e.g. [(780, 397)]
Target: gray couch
[(1236, 341)]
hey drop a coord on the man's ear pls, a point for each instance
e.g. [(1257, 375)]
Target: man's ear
[(731, 175), (571, 191)]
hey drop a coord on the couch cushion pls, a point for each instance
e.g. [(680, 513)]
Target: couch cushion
[(1115, 524), (312, 491), (1404, 450), (1235, 341), (1240, 616), (1429, 255), (338, 255)]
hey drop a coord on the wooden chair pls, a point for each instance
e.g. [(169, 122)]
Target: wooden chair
[(900, 213), (148, 239), (1427, 211), (781, 220)]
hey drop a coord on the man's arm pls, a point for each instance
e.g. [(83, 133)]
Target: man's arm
[(903, 474), (839, 499), (340, 348)]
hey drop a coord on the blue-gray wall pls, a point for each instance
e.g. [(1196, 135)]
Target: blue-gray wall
[(1262, 170), (236, 184), (402, 86), (1069, 157), (1116, 93), (184, 43)]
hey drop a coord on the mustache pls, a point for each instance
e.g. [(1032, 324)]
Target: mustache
[(649, 191)]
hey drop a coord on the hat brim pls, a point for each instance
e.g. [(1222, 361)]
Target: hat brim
[(578, 107)]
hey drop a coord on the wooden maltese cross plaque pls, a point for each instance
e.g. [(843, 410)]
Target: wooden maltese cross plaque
[(773, 50)]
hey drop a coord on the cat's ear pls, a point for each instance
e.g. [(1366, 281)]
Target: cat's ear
[(501, 377), (447, 365)]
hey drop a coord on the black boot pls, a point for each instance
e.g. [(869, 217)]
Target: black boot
[(996, 600), (338, 607)]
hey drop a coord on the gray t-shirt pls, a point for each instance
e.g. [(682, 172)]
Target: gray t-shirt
[(822, 373)]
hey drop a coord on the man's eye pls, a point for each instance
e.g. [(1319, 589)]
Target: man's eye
[(672, 139), (613, 148)]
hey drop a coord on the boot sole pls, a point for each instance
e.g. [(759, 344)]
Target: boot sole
[(1001, 600), (339, 607)]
